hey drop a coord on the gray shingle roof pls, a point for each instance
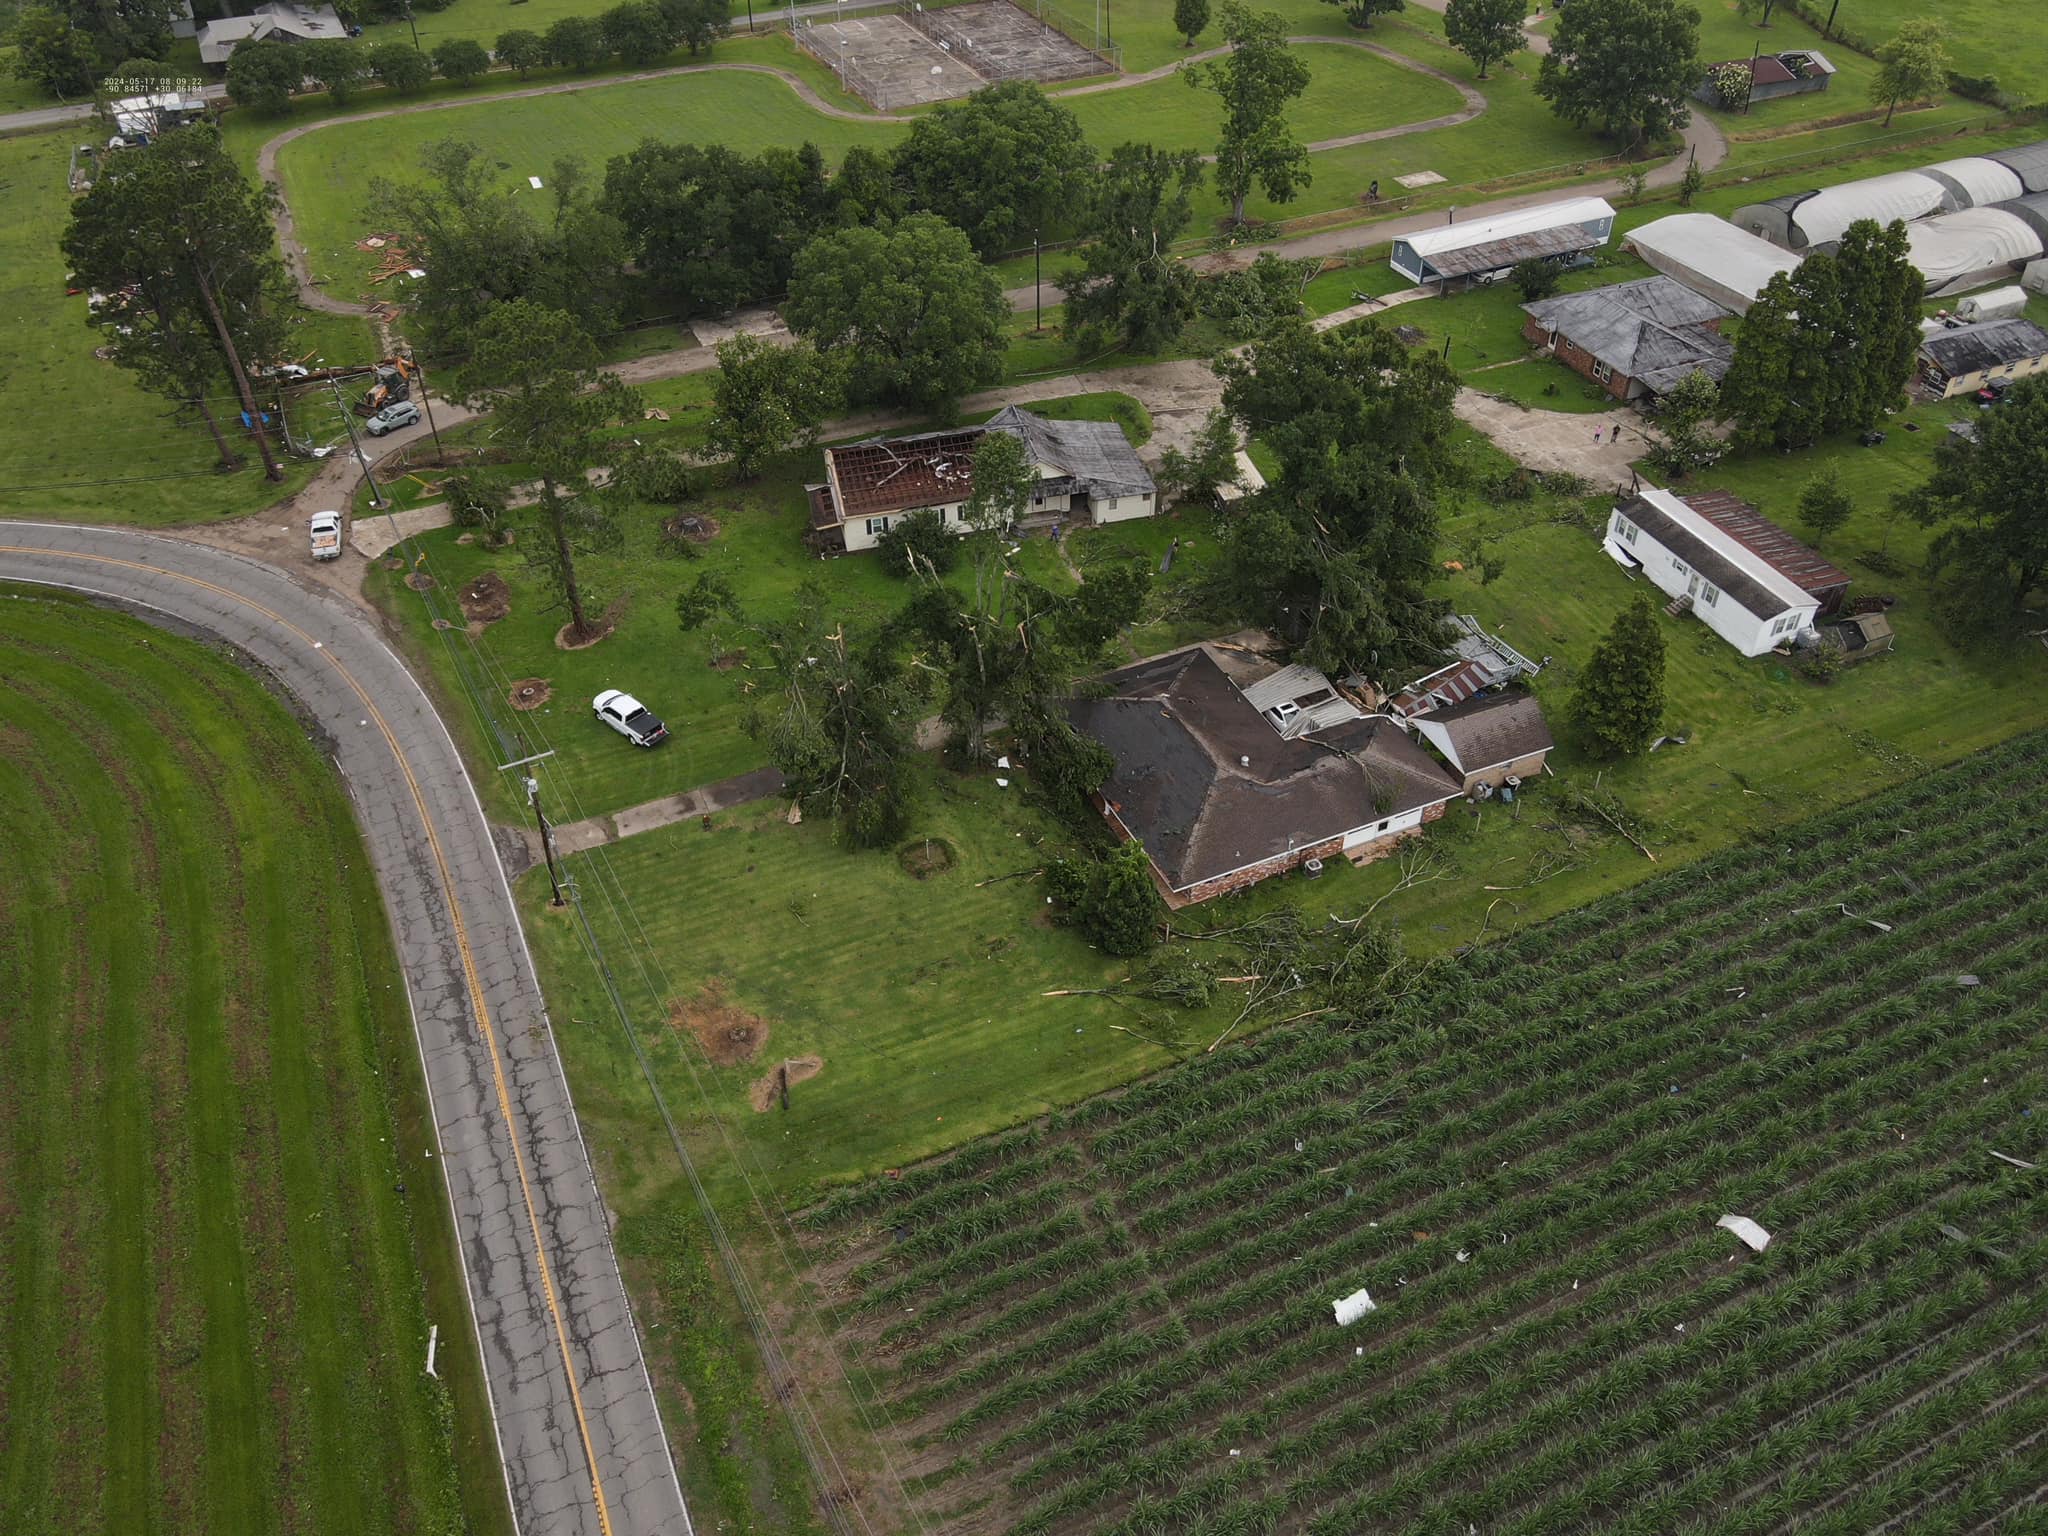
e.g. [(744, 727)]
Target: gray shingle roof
[(1988, 344), (1498, 728), (1096, 454), (1654, 329)]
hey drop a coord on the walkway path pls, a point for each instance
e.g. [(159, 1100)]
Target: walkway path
[(581, 1437)]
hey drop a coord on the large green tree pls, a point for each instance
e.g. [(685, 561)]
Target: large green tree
[(1130, 288), (1485, 31), (521, 50), (483, 245), (263, 75), (698, 24), (1361, 12), (1256, 80), (1827, 347), (52, 51), (575, 42), (339, 64), (1005, 165), (1619, 702), (918, 314), (715, 227), (1627, 65), (461, 60), (1190, 17), (1912, 66), (550, 399), (638, 32), (179, 223), (1987, 499), (401, 67), (1337, 553), (65, 45), (768, 399)]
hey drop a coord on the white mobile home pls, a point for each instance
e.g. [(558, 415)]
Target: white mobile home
[(1730, 588), (1485, 248)]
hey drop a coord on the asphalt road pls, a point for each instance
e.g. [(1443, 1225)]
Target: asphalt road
[(583, 1446)]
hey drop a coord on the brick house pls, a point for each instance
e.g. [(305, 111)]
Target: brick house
[(1222, 794), (1633, 339)]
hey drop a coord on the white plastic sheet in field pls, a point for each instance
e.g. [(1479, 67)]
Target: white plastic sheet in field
[(1747, 1230), (1351, 1308)]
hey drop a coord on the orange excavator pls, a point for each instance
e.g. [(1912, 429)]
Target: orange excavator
[(393, 384)]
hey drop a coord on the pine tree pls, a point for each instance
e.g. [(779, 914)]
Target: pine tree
[(1620, 700)]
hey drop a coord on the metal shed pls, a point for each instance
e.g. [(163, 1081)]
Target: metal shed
[(1493, 245)]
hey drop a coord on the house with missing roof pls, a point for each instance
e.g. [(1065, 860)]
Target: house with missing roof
[(1087, 472), (1223, 788), (1745, 578), (1964, 360), (1633, 339)]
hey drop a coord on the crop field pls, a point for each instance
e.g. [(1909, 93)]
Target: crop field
[(1118, 1319), (222, 1239)]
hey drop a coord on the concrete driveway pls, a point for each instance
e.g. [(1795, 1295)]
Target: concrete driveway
[(575, 1413)]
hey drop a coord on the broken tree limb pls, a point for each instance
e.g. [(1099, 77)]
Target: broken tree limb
[(1015, 874)]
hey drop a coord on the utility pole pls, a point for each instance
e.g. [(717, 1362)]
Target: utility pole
[(547, 838), (1037, 291), (427, 402), (414, 25), (1828, 30), (348, 420)]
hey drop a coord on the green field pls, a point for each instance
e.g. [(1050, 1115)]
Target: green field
[(1118, 1320), (222, 1236), (78, 438), (1984, 37)]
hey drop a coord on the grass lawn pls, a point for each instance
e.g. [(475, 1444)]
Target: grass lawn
[(1349, 91), (1984, 38), (324, 177), (77, 436), (214, 1300), (758, 548)]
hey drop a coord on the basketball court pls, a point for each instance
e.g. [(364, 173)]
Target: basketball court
[(916, 54)]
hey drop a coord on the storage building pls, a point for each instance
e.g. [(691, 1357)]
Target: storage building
[(1487, 248), (1711, 257), (1963, 360), (1956, 252), (1817, 219)]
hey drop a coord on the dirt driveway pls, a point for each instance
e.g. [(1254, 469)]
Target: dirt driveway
[(1553, 441)]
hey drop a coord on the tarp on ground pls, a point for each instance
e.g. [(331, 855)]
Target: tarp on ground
[(1711, 257)]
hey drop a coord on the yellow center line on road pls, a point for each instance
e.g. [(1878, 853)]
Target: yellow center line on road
[(476, 995)]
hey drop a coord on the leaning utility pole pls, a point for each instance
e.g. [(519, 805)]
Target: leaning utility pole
[(547, 837), (348, 420)]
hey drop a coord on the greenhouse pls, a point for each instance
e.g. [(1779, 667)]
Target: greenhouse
[(1711, 257)]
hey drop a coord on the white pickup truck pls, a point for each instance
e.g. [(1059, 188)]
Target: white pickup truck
[(326, 535)]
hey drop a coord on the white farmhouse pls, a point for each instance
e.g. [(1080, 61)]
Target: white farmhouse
[(1728, 586), (1087, 472)]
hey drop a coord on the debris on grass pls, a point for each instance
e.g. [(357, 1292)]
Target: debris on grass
[(728, 1034)]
